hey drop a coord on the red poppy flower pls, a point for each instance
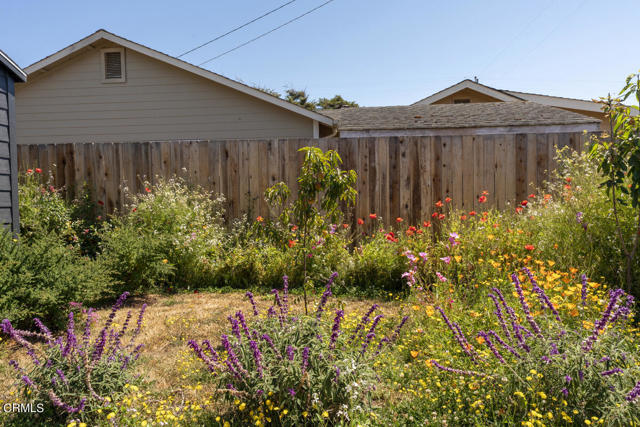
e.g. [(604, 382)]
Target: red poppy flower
[(434, 215), (360, 221), (147, 189), (532, 196), (345, 225), (291, 243), (529, 247), (448, 199), (134, 209), (463, 217), (29, 170), (419, 231), (259, 218), (373, 216), (518, 209), (426, 224), (567, 187), (524, 203), (410, 233), (38, 170), (294, 228), (472, 213), (439, 204), (441, 216), (399, 219), (482, 199), (100, 202), (391, 237), (568, 179)]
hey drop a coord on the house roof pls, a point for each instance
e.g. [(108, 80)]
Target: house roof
[(13, 67), (447, 116), (512, 95), (75, 49)]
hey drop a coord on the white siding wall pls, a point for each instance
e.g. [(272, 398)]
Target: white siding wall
[(158, 102)]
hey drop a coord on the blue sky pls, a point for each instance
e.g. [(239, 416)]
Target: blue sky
[(376, 52)]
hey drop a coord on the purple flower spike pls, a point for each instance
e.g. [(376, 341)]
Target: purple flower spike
[(634, 393), (285, 295), (257, 356), (611, 372), (243, 323), (305, 359), (396, 332), (253, 303), (71, 337), (290, 352), (602, 323), (363, 322), (335, 330), (325, 296), (457, 334), (235, 327), (583, 294), (525, 306), (491, 346), (544, 299), (499, 315), (269, 341)]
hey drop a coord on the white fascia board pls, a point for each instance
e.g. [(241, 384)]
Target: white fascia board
[(556, 101)]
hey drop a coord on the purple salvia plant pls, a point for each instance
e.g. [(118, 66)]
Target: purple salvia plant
[(602, 322), (611, 372), (305, 359), (257, 356), (231, 356), (491, 346), (211, 364), (235, 327), (382, 342), (325, 296), (271, 312), (504, 344), (366, 341), (42, 328), (396, 332), (363, 322), (466, 343), (500, 316), (525, 306), (243, 323), (623, 312), (290, 352), (459, 371), (544, 299), (207, 346), (71, 337), (64, 406), (285, 296), (634, 393), (583, 292), (269, 341), (253, 303), (281, 316), (335, 330), (461, 340)]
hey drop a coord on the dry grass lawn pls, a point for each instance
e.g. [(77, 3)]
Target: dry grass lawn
[(171, 321)]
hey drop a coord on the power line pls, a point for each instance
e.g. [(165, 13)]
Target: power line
[(267, 33), (236, 28)]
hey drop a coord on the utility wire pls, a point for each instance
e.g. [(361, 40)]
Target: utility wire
[(267, 33), (236, 28)]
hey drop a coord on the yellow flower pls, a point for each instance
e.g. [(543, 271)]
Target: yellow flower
[(73, 424), (285, 412), (242, 406), (111, 415), (305, 414), (325, 414), (414, 354), (226, 424), (164, 261)]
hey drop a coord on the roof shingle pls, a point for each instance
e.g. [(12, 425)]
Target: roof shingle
[(443, 116)]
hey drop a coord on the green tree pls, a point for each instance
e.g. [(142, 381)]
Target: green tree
[(618, 155), (322, 185), (335, 103), (300, 97)]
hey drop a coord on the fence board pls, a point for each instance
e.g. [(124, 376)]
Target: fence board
[(397, 176)]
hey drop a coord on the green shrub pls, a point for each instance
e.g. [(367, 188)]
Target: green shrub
[(289, 370), (43, 209), (40, 278), (168, 236), (74, 377)]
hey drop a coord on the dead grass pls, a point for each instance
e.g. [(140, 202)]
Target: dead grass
[(171, 321)]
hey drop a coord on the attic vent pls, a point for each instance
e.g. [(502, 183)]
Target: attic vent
[(113, 65)]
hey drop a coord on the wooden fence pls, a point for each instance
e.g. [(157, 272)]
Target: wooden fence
[(397, 176)]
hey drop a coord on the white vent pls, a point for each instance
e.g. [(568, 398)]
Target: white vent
[(113, 65)]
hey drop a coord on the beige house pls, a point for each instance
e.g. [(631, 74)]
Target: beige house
[(105, 88), (470, 92)]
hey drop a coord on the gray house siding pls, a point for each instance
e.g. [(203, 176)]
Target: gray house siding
[(9, 214)]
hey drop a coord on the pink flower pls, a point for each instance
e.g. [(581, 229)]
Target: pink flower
[(441, 277), (446, 259)]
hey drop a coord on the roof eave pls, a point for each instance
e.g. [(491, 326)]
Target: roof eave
[(17, 72), (468, 84)]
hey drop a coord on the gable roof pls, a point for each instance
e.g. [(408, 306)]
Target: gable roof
[(469, 84), (13, 67), (75, 49), (512, 95), (446, 116)]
